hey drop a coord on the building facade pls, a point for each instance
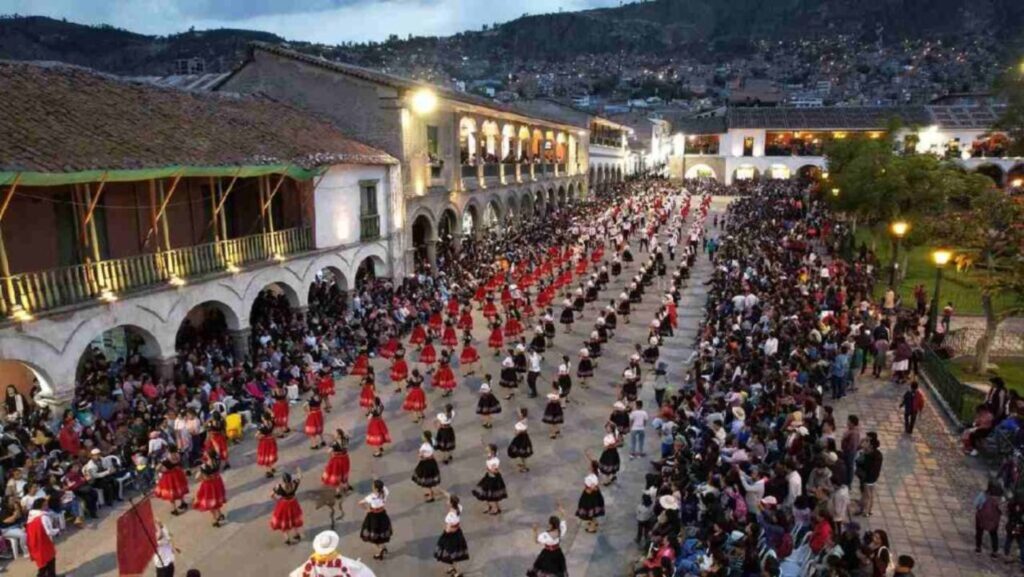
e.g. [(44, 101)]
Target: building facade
[(142, 212)]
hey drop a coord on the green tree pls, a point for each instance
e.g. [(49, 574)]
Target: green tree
[(1011, 87)]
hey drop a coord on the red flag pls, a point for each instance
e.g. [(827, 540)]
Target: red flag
[(136, 539)]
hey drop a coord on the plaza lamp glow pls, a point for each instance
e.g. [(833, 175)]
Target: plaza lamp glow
[(898, 229), (108, 296), (1017, 182), (424, 101), (941, 258), (835, 192), (233, 268), (176, 281), (19, 314)]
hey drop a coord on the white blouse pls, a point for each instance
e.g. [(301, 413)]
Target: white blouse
[(548, 540), (376, 501), (508, 363), (610, 440), (563, 369), (493, 463), (520, 426), (426, 450), (591, 481), (452, 518), (444, 419)]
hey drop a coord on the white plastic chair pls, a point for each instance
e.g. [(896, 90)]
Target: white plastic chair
[(123, 478)]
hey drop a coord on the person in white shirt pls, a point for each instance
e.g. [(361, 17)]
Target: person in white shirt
[(376, 527), (551, 560), (771, 346), (795, 486), (637, 430), (451, 546), (754, 487), (163, 558)]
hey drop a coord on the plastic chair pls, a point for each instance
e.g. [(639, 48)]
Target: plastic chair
[(122, 477)]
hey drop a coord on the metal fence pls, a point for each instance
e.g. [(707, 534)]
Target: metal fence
[(960, 398)]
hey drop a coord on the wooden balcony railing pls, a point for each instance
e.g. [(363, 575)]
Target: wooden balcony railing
[(491, 170), (369, 227), (45, 290)]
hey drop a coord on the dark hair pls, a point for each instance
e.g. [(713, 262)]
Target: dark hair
[(523, 412), (905, 561), (554, 524), (378, 485), (193, 573), (428, 437), (492, 448)]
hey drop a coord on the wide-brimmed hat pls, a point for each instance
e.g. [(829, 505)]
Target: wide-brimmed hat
[(668, 502), (739, 413), (326, 543)]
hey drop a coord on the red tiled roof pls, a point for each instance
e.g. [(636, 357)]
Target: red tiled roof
[(60, 119)]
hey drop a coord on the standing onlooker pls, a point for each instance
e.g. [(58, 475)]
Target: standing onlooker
[(904, 566), (869, 469), (912, 405), (1014, 527), (849, 445), (637, 430), (839, 372), (987, 514), (644, 519)]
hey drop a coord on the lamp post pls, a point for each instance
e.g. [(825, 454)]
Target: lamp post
[(899, 230), (940, 257)]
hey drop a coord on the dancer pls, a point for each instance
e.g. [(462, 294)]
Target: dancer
[(314, 423), (211, 495), (491, 488), (399, 370), (509, 378), (451, 547), (497, 340), (591, 504), (336, 472), (445, 440), (444, 378), (415, 399), (568, 316), (376, 527), (428, 355), (585, 368), (217, 439), (266, 449), (377, 434), (521, 447), (287, 517), (564, 384), (488, 404), (173, 484), (368, 392), (325, 386), (609, 462), (553, 414), (551, 561), (469, 356), (427, 474), (280, 409)]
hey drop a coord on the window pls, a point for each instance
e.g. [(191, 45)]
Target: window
[(748, 146), (369, 220), (434, 152)]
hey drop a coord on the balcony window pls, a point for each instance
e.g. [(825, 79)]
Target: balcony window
[(369, 218), (434, 152)]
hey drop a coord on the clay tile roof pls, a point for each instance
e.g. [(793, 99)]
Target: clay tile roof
[(58, 118)]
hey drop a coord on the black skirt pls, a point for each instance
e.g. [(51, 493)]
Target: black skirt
[(509, 378), (491, 488), (549, 329), (567, 317), (609, 461), (623, 308), (591, 294), (627, 256), (553, 414), (445, 439), (376, 528), (521, 446), (427, 473), (550, 563), (488, 405), (539, 343), (585, 368), (452, 547), (591, 505), (616, 269), (578, 304), (565, 384)]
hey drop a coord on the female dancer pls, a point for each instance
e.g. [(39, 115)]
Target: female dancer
[(217, 439), (509, 376), (266, 450), (488, 404), (418, 336), (444, 378), (553, 414), (427, 474), (376, 527), (521, 447), (211, 495), (585, 368), (564, 384), (415, 399), (609, 462), (428, 356), (568, 316), (451, 546), (399, 370), (491, 488), (445, 440), (549, 328), (551, 561), (368, 392), (497, 340), (287, 517), (173, 484), (314, 423), (336, 473), (280, 410), (469, 356), (325, 386), (359, 368), (377, 434), (591, 504), (450, 339)]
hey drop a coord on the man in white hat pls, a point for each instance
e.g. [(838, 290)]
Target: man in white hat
[(327, 562)]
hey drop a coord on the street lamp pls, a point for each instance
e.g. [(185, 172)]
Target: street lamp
[(835, 192), (899, 230), (940, 257)]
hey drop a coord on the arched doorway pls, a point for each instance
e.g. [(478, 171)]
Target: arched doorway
[(561, 196), (746, 172), (207, 322), (552, 200), (779, 172), (273, 309), (808, 173), (369, 270), (328, 293), (448, 227), (1015, 177), (470, 219), (992, 171), (700, 171), (422, 235), (25, 378), (526, 207), (126, 350), (539, 207), (512, 213), (492, 215)]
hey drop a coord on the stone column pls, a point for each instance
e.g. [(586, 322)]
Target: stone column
[(432, 253), (240, 343), (163, 368)]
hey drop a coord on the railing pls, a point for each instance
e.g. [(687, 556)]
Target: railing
[(560, 169), (59, 287), (961, 399), (369, 227), (469, 171), (545, 169), (508, 172), (492, 170)]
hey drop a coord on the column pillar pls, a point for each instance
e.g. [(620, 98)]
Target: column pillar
[(163, 368), (240, 343), (432, 253)]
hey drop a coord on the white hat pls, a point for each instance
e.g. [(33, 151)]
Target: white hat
[(668, 502), (553, 396), (326, 543), (619, 405), (739, 413), (584, 352), (485, 388), (95, 452), (803, 431)]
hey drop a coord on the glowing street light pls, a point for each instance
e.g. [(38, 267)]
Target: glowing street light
[(424, 101), (898, 229), (835, 192), (941, 258)]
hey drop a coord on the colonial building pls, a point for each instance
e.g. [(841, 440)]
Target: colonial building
[(131, 213), (750, 143), (468, 164)]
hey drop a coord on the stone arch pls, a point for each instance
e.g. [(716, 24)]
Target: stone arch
[(779, 172), (526, 208), (120, 341), (700, 170), (448, 225), (512, 210), (289, 286), (1015, 176), (551, 199), (808, 173), (471, 218), (23, 375), (371, 267), (205, 316), (328, 289), (493, 213), (746, 172), (993, 171), (561, 196), (332, 263), (423, 233)]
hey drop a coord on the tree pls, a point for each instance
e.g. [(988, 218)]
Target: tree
[(989, 236), (1011, 87)]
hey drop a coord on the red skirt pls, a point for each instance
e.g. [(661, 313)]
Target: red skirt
[(428, 355), (466, 321), (366, 396), (399, 370), (336, 472), (266, 451), (418, 336), (325, 386), (436, 322), (450, 339), (287, 515), (506, 297), (513, 328), (490, 310), (359, 368), (444, 378), (281, 413), (315, 423), (377, 432), (496, 341), (469, 355), (211, 495), (219, 443), (389, 348), (453, 307), (173, 485), (415, 400), (480, 294)]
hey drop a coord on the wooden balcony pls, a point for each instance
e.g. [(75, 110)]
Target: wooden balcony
[(369, 227), (35, 292)]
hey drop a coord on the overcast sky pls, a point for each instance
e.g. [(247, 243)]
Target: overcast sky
[(327, 21)]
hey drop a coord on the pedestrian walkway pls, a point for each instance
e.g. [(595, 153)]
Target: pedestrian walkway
[(924, 498)]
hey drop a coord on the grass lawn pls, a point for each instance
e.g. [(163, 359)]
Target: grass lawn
[(1011, 369), (960, 288)]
